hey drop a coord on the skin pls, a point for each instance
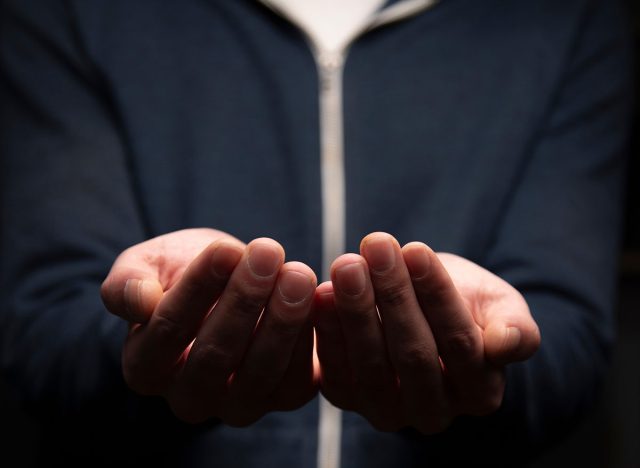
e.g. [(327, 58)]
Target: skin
[(426, 336), (404, 336), (198, 334)]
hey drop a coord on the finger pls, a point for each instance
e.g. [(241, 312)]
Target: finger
[(298, 386), (510, 334), (132, 289), (457, 335), (335, 374), (270, 352), (375, 382), (221, 342), (153, 350), (409, 338)]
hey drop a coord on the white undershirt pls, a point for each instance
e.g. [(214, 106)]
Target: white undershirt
[(329, 23)]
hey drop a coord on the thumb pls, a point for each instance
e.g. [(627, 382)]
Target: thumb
[(511, 336), (131, 293)]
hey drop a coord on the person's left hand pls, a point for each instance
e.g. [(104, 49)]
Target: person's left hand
[(408, 337)]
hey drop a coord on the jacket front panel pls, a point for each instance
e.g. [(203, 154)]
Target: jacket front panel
[(470, 127)]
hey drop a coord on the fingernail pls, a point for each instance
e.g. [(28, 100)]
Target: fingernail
[(224, 260), (512, 338), (145, 288), (351, 279), (417, 262), (294, 286), (379, 254), (264, 259), (131, 292)]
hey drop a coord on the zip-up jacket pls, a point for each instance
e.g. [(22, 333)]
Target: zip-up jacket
[(495, 130)]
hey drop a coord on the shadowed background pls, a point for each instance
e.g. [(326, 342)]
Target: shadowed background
[(607, 437)]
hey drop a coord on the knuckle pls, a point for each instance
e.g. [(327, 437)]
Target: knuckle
[(437, 289), (461, 343), (247, 302), (284, 325), (166, 329), (358, 316), (194, 285), (418, 358), (211, 358), (393, 294)]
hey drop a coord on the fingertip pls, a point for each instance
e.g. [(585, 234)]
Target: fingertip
[(415, 245), (301, 268), (377, 236), (506, 344), (323, 302), (324, 297), (151, 293), (295, 286), (512, 339), (107, 293), (141, 296), (419, 259), (224, 256), (381, 251), (325, 288), (346, 259), (268, 242), (532, 341), (264, 257), (230, 242)]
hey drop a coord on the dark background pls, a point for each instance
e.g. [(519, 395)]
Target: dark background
[(609, 437)]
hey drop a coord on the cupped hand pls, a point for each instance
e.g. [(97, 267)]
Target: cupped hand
[(218, 328), (407, 337)]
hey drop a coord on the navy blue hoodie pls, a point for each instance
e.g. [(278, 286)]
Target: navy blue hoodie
[(492, 129)]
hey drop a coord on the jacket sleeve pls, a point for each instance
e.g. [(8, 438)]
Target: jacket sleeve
[(67, 210), (559, 237)]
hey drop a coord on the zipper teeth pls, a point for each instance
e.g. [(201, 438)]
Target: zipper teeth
[(330, 66)]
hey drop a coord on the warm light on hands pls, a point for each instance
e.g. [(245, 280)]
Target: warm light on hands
[(194, 299), (406, 337)]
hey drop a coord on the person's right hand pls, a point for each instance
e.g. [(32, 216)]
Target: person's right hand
[(199, 337)]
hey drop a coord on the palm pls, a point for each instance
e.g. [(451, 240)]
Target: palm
[(194, 299), (170, 254), (490, 299)]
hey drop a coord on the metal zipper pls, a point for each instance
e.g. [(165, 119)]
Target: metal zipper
[(330, 65)]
